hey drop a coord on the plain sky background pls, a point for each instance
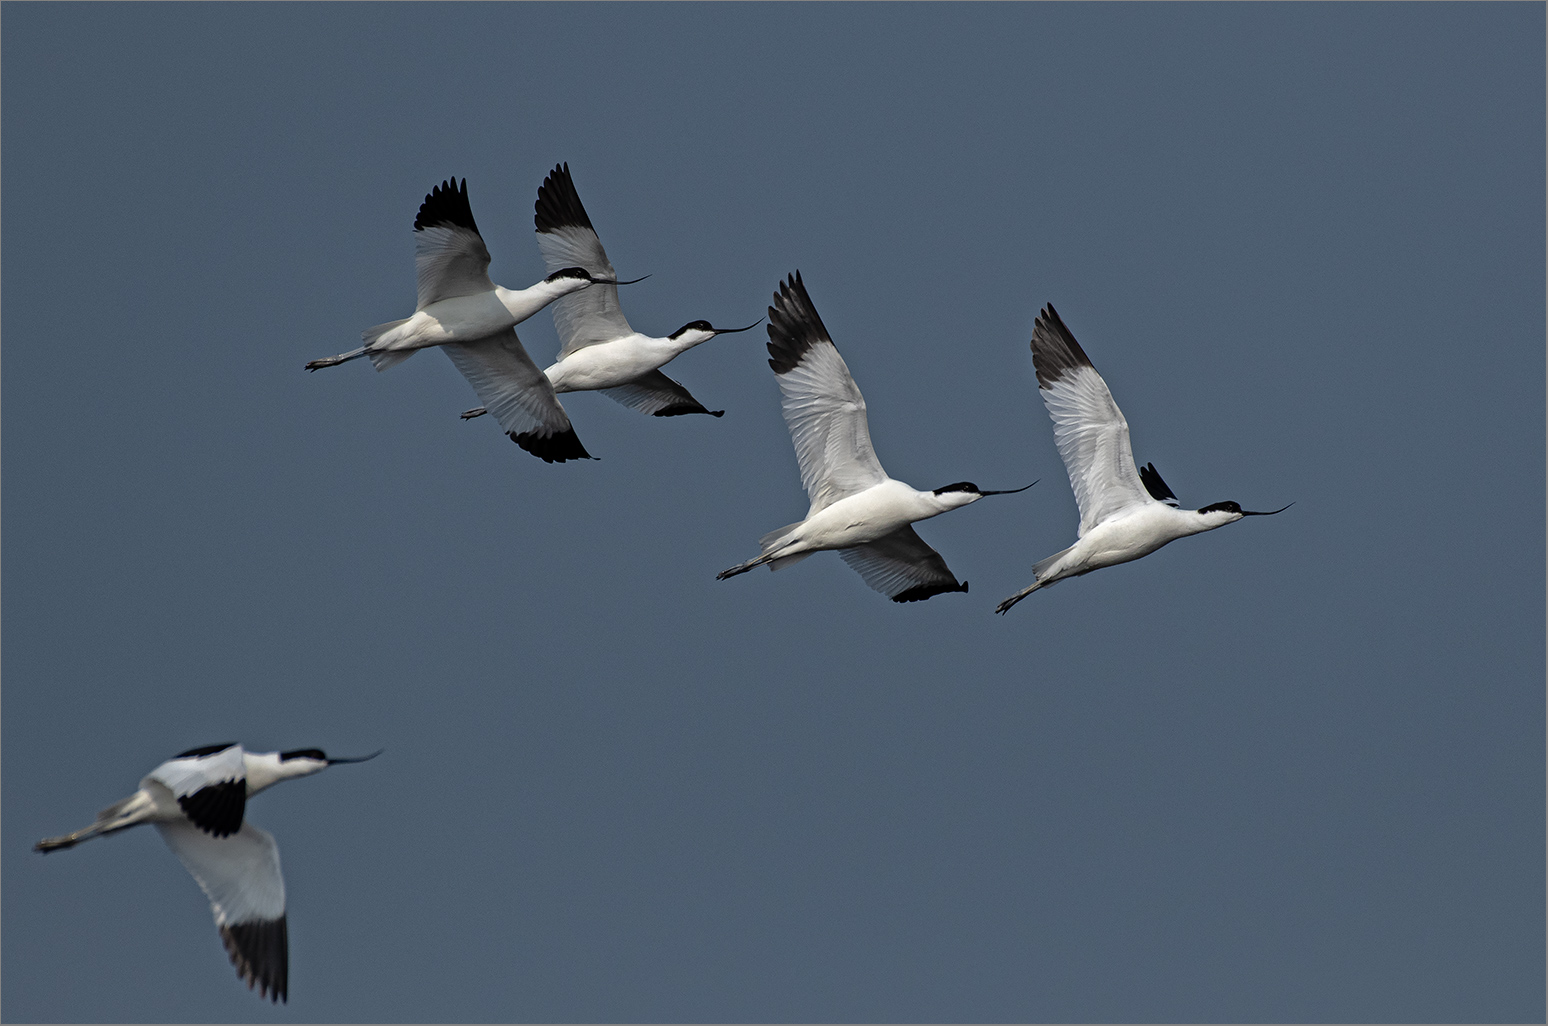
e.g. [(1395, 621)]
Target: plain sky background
[(1293, 770)]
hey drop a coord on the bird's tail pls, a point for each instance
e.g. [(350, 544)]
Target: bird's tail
[(1040, 571), (770, 544), (382, 359), (136, 808)]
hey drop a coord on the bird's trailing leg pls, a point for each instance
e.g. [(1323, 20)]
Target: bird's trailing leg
[(1004, 607), (334, 361), (137, 808), (751, 564), (477, 411)]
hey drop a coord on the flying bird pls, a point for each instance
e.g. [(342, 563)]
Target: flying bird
[(598, 350), (856, 509), (198, 801), (1124, 513), (473, 321)]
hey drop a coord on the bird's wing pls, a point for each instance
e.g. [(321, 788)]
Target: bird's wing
[(241, 876), (656, 394), (518, 394), (1089, 429), (567, 239), (823, 407), (450, 258), (901, 566), (210, 785)]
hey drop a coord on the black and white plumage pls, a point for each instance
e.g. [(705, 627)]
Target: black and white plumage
[(856, 509), (599, 351), (1125, 513), (474, 320), (197, 801)]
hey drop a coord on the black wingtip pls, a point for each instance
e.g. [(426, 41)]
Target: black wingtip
[(1150, 477), (260, 951), (1054, 349), (446, 207), (794, 326), (558, 204), (552, 448), (921, 592)]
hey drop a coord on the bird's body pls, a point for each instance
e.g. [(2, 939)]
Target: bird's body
[(466, 318), (1125, 512), (866, 516), (198, 801), (856, 508), (619, 362), (599, 351), (474, 322)]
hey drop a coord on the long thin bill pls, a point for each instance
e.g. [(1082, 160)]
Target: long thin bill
[(1010, 491), (733, 331), (1250, 513), (363, 758)]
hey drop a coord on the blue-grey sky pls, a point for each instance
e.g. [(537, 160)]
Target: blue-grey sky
[(1292, 770)]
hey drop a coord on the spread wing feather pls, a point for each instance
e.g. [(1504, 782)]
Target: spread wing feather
[(450, 258), (567, 239), (902, 567), (657, 395), (1089, 429), (241, 876), (823, 407), (518, 394)]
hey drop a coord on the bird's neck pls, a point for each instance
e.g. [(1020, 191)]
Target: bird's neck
[(265, 769), (523, 303)]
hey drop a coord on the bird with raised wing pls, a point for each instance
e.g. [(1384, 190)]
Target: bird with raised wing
[(599, 351), (856, 509), (473, 321), (1125, 513), (198, 802)]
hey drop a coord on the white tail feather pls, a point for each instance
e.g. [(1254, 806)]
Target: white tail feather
[(1041, 567), (771, 541), (370, 335)]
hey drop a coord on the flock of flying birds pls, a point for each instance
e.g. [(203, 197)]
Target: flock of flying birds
[(197, 800)]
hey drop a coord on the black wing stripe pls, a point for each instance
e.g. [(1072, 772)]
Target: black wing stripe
[(194, 753), (558, 204), (794, 326), (682, 408), (1054, 350), (217, 809), (552, 448), (260, 950), (446, 206)]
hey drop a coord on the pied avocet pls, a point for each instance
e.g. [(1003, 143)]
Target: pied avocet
[(1124, 513), (856, 508), (198, 802)]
